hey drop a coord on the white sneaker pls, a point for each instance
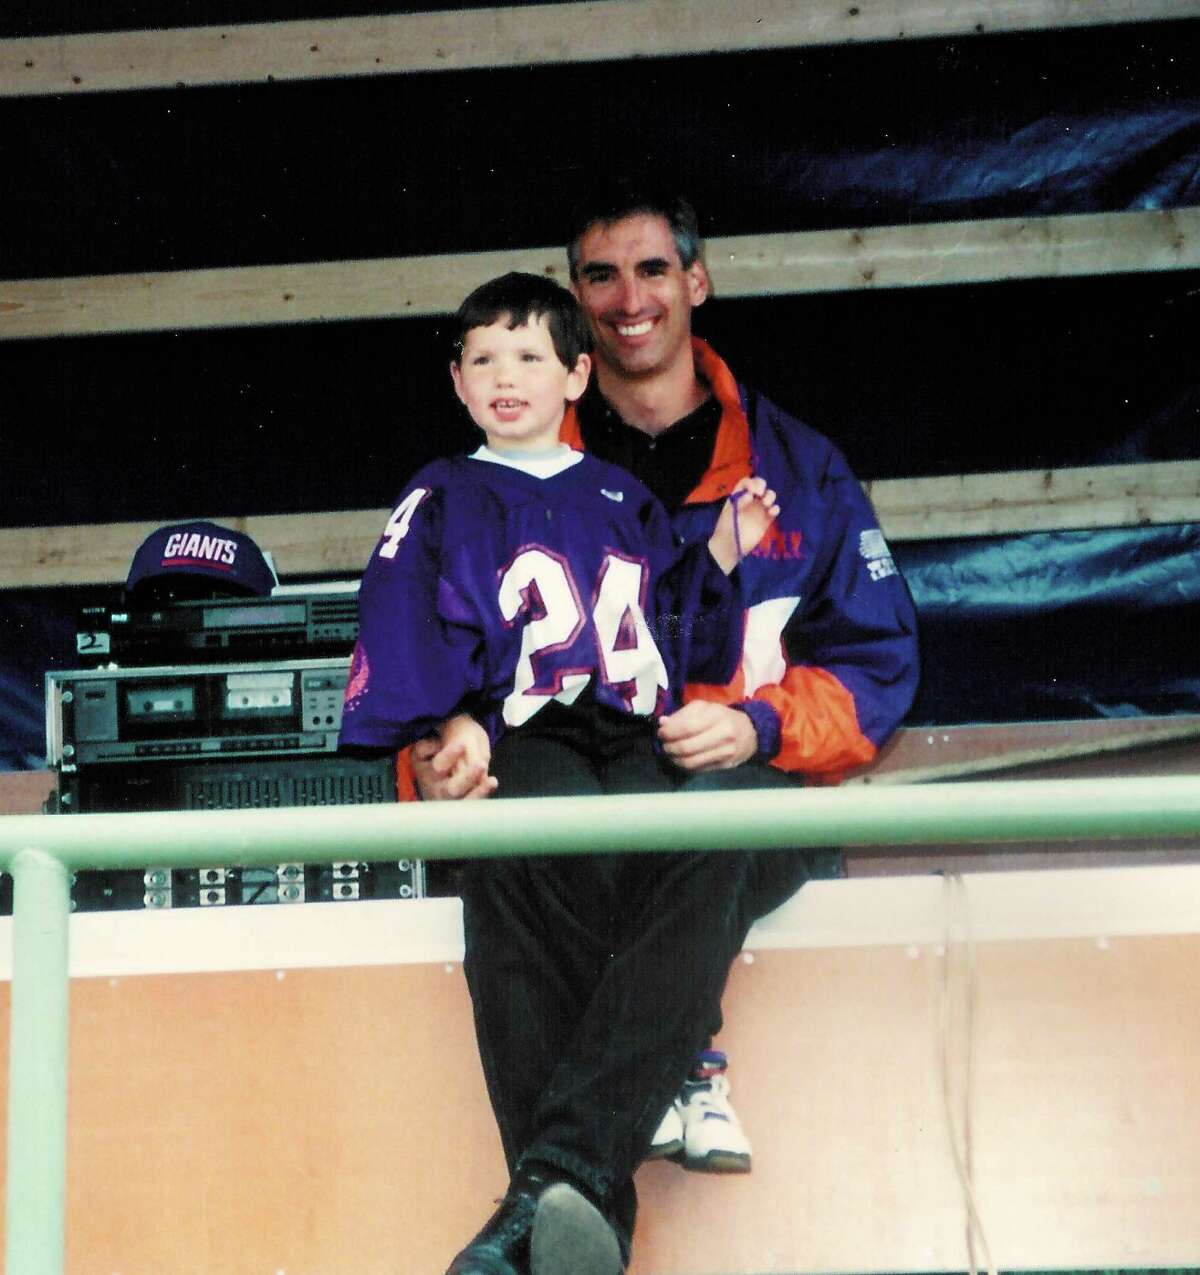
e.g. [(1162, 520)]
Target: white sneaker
[(667, 1142), (713, 1139)]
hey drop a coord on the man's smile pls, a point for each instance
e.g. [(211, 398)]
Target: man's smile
[(634, 329)]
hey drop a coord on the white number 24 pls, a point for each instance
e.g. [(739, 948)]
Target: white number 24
[(628, 658)]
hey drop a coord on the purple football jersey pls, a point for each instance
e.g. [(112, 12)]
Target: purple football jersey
[(495, 590)]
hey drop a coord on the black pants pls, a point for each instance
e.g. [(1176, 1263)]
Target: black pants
[(596, 980)]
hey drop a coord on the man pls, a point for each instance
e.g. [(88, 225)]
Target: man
[(596, 987)]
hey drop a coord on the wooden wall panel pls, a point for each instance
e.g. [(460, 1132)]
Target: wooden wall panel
[(333, 1120), (23, 792), (1081, 1161), (596, 31)]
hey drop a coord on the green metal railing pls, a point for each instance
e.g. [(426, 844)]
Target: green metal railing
[(42, 852)]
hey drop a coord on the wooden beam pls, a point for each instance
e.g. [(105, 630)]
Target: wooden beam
[(909, 509), (1095, 749), (397, 287), (745, 266), (930, 754), (301, 544), (1038, 500), (601, 30), (983, 251)]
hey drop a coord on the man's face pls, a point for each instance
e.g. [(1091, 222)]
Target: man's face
[(637, 296)]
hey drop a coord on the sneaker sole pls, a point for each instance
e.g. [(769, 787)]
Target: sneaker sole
[(666, 1150), (571, 1237), (717, 1162)]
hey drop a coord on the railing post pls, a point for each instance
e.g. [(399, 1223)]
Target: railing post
[(37, 1088)]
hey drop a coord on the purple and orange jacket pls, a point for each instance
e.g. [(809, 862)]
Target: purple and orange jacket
[(829, 665)]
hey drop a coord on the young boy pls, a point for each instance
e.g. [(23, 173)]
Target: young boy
[(528, 601)]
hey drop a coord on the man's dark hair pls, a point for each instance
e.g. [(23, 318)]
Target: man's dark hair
[(517, 298), (615, 200)]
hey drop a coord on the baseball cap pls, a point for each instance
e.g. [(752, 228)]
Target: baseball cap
[(228, 561)]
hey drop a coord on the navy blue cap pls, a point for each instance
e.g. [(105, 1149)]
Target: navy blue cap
[(227, 559)]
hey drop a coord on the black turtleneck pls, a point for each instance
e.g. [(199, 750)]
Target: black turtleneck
[(670, 463)]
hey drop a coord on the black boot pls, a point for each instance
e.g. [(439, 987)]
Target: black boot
[(543, 1227), (571, 1236), (502, 1246)]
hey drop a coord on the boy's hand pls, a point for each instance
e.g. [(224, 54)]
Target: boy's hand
[(453, 765), (744, 519)]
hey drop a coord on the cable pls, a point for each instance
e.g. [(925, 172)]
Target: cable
[(734, 497), (955, 903)]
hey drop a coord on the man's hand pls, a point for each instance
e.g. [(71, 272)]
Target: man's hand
[(706, 736), (453, 765)]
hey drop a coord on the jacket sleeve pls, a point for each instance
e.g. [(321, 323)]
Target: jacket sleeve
[(829, 669), (420, 650)]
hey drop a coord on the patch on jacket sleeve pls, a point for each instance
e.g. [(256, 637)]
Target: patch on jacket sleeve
[(360, 675), (874, 549)]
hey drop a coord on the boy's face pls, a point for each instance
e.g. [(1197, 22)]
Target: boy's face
[(514, 385)]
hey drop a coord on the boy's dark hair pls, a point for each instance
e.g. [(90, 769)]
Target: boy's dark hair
[(518, 298), (618, 198)]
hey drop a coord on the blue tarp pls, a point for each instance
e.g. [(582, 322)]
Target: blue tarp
[(1058, 625)]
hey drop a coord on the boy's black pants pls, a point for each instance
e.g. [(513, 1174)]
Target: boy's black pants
[(596, 979)]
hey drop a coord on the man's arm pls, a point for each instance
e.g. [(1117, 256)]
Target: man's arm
[(703, 735), (828, 673)]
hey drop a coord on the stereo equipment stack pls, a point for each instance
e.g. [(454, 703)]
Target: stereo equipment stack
[(229, 703)]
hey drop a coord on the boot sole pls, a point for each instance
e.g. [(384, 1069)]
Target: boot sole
[(571, 1237), (717, 1162)]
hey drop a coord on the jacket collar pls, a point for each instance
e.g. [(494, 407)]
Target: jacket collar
[(731, 453)]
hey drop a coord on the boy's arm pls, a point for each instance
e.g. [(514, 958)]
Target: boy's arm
[(418, 650)]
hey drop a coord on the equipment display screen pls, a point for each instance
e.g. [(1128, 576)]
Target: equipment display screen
[(256, 616)]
